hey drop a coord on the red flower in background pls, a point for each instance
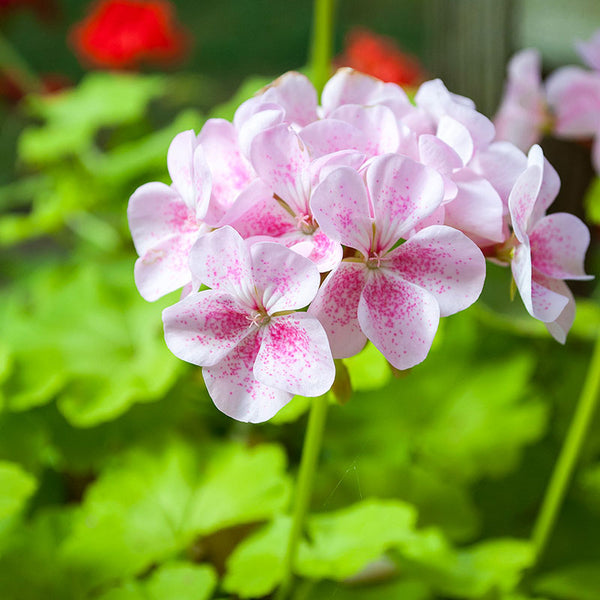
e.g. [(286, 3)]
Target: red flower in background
[(380, 57), (122, 34)]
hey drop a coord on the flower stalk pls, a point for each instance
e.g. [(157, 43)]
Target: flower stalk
[(565, 465), (310, 454), (322, 42)]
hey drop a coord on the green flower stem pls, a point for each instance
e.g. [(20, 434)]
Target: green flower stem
[(13, 65), (308, 464), (322, 42), (569, 454)]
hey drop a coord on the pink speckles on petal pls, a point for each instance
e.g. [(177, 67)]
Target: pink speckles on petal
[(284, 279), (221, 261), (403, 192), (234, 389), (205, 326), (399, 318), (341, 207), (558, 245), (336, 308), (295, 356), (445, 262)]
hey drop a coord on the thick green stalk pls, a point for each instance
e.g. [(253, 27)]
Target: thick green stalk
[(569, 454), (308, 464), (322, 42)]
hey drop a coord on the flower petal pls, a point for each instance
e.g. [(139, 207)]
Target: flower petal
[(336, 308), (574, 96), (457, 136), (164, 267), (558, 245), (341, 207), (231, 171), (559, 328), (189, 171), (325, 253), (377, 123), (281, 159), (332, 135), (221, 261), (295, 356), (156, 212), (476, 210), (403, 192), (205, 326), (296, 94), (590, 51), (445, 262), (234, 389), (400, 318), (286, 280)]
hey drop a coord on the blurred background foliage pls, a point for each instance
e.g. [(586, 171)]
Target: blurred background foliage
[(119, 480)]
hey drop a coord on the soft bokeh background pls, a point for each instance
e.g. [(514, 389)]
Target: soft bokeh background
[(120, 480)]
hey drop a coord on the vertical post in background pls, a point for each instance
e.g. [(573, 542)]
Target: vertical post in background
[(468, 44)]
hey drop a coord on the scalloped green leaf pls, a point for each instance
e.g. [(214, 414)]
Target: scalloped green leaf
[(574, 582), (16, 486)]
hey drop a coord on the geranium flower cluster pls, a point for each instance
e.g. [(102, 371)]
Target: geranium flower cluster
[(301, 230), (567, 105)]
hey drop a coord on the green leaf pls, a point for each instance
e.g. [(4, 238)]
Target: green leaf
[(176, 580), (485, 421), (345, 541), (591, 202), (255, 567), (72, 117), (369, 369), (150, 504), (16, 486), (575, 582)]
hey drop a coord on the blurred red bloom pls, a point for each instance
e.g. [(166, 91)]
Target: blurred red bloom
[(380, 57), (122, 34)]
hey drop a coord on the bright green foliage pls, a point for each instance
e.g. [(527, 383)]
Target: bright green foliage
[(73, 116), (153, 503), (16, 486), (82, 317), (574, 582), (369, 370), (172, 581), (344, 542)]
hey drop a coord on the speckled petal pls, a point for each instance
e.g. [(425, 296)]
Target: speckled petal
[(445, 262), (156, 212), (559, 328), (295, 356), (281, 160), (377, 123), (522, 200), (221, 260), (287, 280), (341, 207), (164, 268), (336, 308), (325, 253), (558, 245), (400, 318), (332, 135), (403, 192), (231, 170), (205, 326), (234, 389)]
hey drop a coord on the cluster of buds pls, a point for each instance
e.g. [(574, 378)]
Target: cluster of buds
[(300, 231), (567, 105)]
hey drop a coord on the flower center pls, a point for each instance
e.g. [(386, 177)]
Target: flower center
[(306, 224), (258, 319), (374, 260)]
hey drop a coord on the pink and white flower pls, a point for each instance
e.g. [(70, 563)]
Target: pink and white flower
[(255, 349), (523, 114), (165, 221), (547, 248), (391, 294)]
